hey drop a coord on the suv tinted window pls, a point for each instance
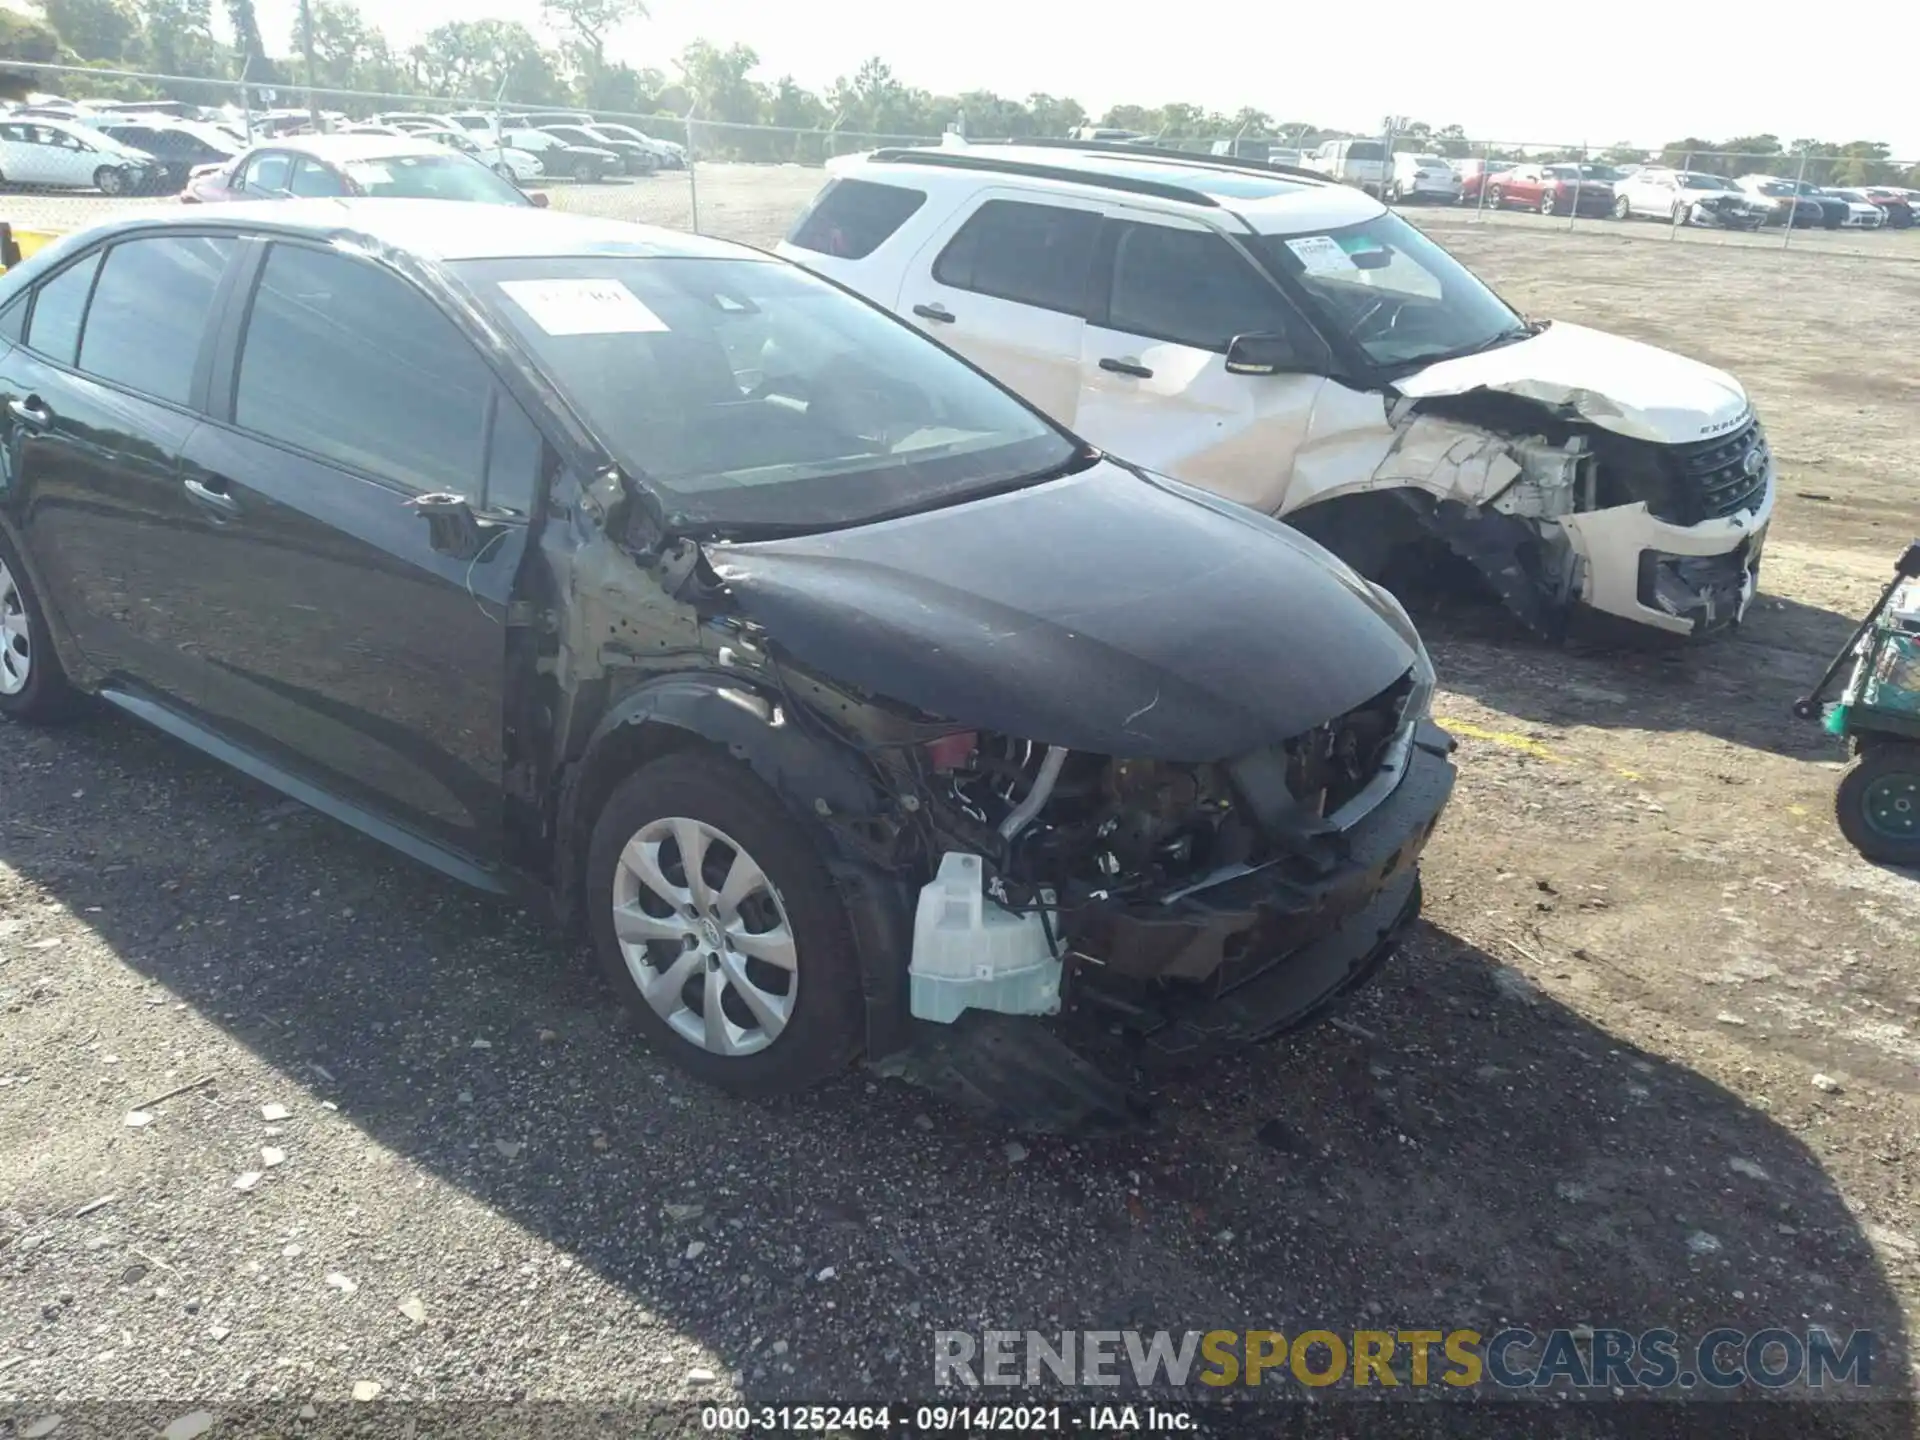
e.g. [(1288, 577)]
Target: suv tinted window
[(149, 311), (349, 362), (850, 218), (54, 329), (1036, 254), (1191, 288)]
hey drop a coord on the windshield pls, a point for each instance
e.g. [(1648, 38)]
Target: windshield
[(1704, 182), (1391, 291), (432, 177), (751, 395)]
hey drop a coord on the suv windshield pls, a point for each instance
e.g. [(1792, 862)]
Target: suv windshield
[(753, 395), (1391, 291), (432, 177)]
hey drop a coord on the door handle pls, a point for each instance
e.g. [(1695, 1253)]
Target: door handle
[(216, 500), (934, 312), (1126, 367), (31, 412)]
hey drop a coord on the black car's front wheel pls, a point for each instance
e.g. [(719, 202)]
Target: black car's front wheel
[(720, 929), (33, 686), (110, 180)]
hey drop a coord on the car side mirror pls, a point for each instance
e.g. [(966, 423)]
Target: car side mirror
[(1262, 354), (538, 199), (1909, 563)]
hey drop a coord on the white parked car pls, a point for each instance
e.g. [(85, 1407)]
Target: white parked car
[(1687, 197), (72, 156), (1862, 213), (1294, 345), (1352, 162), (672, 156), (1422, 177), (505, 161)]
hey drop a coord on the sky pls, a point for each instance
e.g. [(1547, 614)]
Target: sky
[(1642, 71)]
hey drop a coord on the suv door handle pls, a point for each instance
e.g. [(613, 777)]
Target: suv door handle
[(1126, 367), (31, 412), (934, 312), (216, 500)]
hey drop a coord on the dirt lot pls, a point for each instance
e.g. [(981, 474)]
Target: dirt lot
[(1586, 1094)]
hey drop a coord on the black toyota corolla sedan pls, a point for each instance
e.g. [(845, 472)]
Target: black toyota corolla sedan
[(832, 691)]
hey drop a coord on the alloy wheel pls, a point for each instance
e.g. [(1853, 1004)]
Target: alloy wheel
[(16, 643), (705, 936)]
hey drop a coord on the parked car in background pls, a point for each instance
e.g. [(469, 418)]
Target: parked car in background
[(1474, 174), (1243, 149), (178, 147), (358, 165), (67, 155), (1862, 213), (1422, 178), (634, 158), (660, 579), (1361, 163), (1783, 202), (1296, 347), (505, 161), (671, 154), (1557, 189), (1687, 197), (560, 157), (1896, 203), (416, 120), (1287, 155)]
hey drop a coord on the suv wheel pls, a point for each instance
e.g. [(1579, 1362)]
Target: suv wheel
[(584, 169), (720, 928), (32, 684), (1622, 208)]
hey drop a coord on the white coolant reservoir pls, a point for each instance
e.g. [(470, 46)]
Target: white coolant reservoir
[(969, 952)]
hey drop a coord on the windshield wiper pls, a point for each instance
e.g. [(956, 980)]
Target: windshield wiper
[(1509, 336)]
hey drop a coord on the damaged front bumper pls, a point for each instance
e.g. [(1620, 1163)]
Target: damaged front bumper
[(1683, 579), (1253, 956)]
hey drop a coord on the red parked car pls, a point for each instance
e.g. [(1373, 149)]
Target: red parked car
[(1473, 172), (343, 165), (1559, 189)]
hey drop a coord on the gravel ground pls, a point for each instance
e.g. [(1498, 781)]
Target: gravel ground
[(1586, 1093)]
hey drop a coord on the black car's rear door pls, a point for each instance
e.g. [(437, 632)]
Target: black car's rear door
[(340, 645), (95, 405)]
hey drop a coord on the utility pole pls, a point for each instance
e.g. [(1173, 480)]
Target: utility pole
[(306, 45)]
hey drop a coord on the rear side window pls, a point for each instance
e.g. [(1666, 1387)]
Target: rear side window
[(1190, 288), (268, 173), (149, 311), (1365, 150), (850, 219), (1035, 254), (349, 362), (54, 329)]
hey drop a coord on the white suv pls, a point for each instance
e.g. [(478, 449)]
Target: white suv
[(1292, 344)]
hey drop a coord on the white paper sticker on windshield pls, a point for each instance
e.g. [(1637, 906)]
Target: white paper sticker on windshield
[(1321, 255), (583, 307)]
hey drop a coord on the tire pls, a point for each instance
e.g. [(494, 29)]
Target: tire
[(1622, 208), (110, 181), (1878, 804), (33, 685), (820, 1029), (585, 170), (1496, 198), (1548, 204), (1392, 197)]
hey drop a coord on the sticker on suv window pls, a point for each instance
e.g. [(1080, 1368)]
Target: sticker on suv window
[(1321, 255), (583, 307)]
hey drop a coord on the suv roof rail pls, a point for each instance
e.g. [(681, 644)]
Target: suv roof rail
[(963, 159), (1156, 151)]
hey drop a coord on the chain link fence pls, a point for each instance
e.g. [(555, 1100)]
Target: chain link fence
[(64, 165)]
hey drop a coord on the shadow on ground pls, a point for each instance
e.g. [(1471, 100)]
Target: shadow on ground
[(1461, 1151), (1738, 686)]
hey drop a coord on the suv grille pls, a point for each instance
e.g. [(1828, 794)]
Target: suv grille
[(1718, 477)]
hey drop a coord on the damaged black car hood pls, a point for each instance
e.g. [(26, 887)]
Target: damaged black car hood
[(1105, 612)]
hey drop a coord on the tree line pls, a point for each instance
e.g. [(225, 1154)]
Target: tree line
[(720, 86)]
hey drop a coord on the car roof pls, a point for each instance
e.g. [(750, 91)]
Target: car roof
[(441, 229), (1268, 200)]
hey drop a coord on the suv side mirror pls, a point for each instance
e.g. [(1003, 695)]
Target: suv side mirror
[(1262, 354)]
